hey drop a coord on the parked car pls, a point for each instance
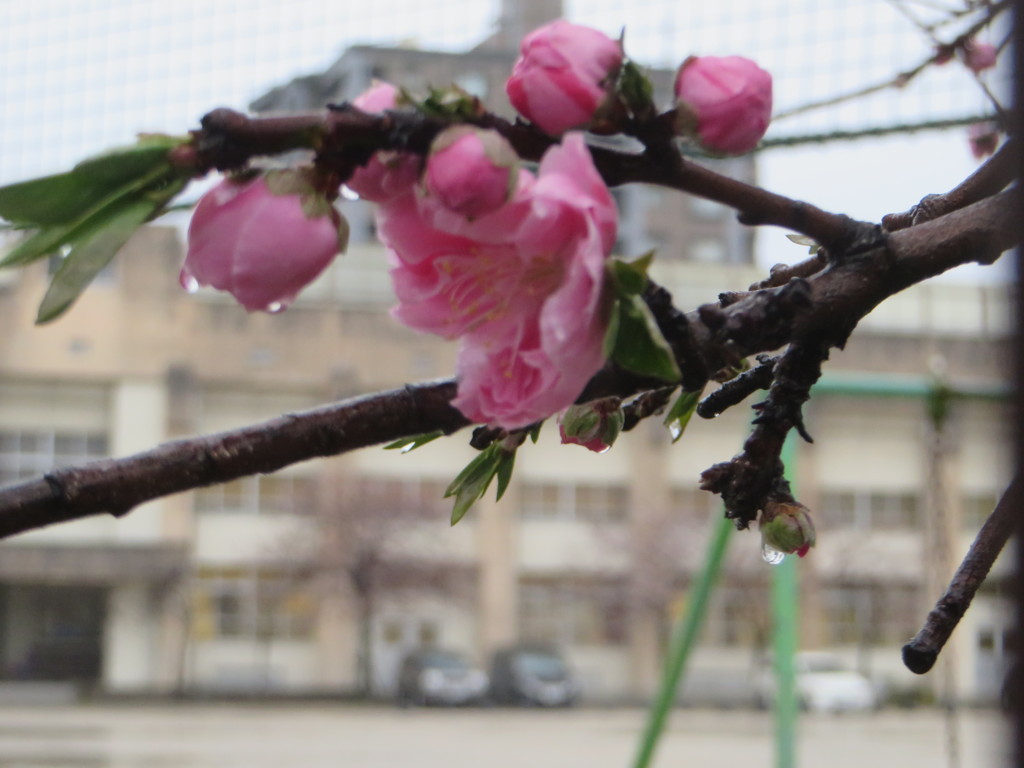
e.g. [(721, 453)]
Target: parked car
[(436, 676), (532, 676), (823, 684)]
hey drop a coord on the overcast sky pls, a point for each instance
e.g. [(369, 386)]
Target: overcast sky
[(77, 76)]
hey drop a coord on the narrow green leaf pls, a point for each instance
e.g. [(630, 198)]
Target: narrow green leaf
[(506, 462), (66, 197), (407, 444), (95, 243), (639, 344), (45, 242), (470, 470), (681, 412)]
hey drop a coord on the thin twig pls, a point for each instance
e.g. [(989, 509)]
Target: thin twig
[(920, 654)]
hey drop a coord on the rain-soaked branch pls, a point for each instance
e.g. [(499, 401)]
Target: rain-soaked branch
[(825, 307), (921, 653)]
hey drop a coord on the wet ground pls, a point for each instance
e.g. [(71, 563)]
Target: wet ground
[(262, 736)]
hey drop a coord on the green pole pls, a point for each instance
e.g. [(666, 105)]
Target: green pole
[(785, 641), (683, 638)]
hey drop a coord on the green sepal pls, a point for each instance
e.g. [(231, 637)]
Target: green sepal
[(630, 277), (535, 432), (635, 90), (95, 243), (681, 412), (407, 444)]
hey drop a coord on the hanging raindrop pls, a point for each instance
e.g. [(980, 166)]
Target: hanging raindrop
[(771, 555), (188, 282), (348, 193), (274, 307)]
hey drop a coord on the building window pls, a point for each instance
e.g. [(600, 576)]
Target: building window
[(590, 503), (414, 497), (875, 511), (253, 604), (871, 614), (29, 453), (564, 612), (263, 494), (976, 509)]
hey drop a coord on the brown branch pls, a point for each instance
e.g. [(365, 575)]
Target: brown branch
[(921, 653), (115, 486), (344, 137), (832, 302), (993, 176)]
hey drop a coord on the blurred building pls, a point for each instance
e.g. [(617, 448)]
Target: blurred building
[(268, 584)]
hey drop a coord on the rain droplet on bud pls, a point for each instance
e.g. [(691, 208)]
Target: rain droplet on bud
[(188, 282), (348, 193), (771, 555), (274, 307)]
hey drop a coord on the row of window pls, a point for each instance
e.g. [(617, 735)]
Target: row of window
[(29, 453)]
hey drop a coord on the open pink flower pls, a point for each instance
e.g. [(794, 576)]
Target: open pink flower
[(562, 75), (523, 287), (388, 173), (261, 247), (725, 101)]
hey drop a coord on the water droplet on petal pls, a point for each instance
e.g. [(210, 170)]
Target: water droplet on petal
[(274, 307), (348, 193), (771, 555), (604, 450), (188, 281), (675, 430)]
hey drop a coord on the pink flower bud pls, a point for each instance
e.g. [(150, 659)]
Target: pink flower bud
[(594, 425), (563, 74), (979, 56), (470, 171), (983, 139), (388, 174), (786, 527), (725, 101), (260, 246)]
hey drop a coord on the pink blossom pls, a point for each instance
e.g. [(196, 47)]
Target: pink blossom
[(563, 74), (261, 247), (983, 138), (726, 101), (388, 173), (470, 172), (979, 56), (523, 287)]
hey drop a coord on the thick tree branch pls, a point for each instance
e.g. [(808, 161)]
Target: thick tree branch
[(920, 654), (345, 137), (115, 486)]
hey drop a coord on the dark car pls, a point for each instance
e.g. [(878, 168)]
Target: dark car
[(435, 676), (532, 676)]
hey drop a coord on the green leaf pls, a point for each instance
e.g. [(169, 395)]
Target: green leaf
[(474, 480), (407, 444), (535, 432), (506, 463), (630, 277), (681, 412), (638, 344), (96, 241), (66, 197)]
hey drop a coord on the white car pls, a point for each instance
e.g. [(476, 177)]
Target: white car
[(823, 684)]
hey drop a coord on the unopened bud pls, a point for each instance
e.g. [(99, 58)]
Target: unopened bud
[(593, 425), (786, 527)]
